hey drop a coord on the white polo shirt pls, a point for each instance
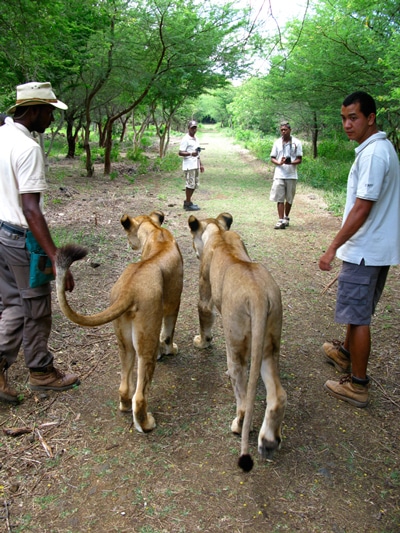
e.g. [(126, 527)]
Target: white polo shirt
[(375, 176), (22, 170), (292, 149), (189, 144)]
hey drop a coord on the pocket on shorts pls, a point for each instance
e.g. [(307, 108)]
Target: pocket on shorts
[(351, 292)]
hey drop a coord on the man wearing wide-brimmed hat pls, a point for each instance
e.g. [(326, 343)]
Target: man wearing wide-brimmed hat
[(26, 317)]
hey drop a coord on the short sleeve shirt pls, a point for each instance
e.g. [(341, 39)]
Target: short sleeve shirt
[(292, 149), (22, 170), (189, 144), (374, 176)]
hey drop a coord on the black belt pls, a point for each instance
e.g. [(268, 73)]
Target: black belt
[(15, 230)]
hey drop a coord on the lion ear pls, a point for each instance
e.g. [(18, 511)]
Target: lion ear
[(225, 219), (157, 217), (126, 221), (194, 224)]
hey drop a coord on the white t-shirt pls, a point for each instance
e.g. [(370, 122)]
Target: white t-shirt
[(22, 170), (375, 176), (292, 149), (189, 144)]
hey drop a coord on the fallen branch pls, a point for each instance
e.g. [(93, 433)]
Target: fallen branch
[(329, 285), (46, 447), (385, 393), (16, 432), (7, 516)]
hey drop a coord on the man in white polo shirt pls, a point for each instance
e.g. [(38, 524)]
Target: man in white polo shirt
[(191, 165), (26, 318), (367, 243)]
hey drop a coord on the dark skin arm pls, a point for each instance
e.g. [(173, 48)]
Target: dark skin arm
[(356, 218), (38, 225)]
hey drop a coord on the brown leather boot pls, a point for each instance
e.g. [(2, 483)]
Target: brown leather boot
[(349, 389), (7, 393), (335, 354), (51, 378)]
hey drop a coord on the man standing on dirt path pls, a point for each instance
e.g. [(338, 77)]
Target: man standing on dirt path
[(367, 243), (286, 154), (191, 165), (26, 318), (3, 117)]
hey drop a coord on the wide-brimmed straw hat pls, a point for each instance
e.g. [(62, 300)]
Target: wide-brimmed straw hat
[(35, 93)]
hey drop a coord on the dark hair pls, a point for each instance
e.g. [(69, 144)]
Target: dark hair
[(367, 103)]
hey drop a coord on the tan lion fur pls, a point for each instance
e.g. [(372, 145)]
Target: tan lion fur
[(144, 306), (249, 301)]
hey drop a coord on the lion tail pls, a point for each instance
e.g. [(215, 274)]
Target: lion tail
[(245, 461), (65, 257)]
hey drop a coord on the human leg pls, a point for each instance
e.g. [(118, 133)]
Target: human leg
[(192, 179), (359, 291), (27, 317)]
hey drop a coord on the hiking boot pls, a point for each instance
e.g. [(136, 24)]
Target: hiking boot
[(190, 206), (349, 389), (280, 224), (336, 355), (7, 393), (51, 378)]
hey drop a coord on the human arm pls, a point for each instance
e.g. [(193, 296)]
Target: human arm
[(38, 225), (185, 153), (355, 219)]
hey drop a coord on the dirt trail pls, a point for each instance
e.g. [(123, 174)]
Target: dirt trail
[(338, 470)]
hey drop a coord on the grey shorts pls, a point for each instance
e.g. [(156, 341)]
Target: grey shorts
[(282, 190), (192, 178), (359, 290)]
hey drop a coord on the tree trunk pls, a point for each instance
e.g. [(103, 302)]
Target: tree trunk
[(71, 140), (108, 147), (315, 132)]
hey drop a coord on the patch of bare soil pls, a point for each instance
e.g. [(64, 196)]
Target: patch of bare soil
[(81, 466)]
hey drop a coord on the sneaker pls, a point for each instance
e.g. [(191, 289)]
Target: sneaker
[(348, 391), (190, 206), (286, 220), (7, 393), (280, 224), (51, 378), (336, 355)]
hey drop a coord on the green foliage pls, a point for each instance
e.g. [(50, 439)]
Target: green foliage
[(169, 163), (135, 154)]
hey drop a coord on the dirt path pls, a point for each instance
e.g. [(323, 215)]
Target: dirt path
[(338, 470)]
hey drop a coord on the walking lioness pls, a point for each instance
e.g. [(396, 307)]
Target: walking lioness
[(249, 301), (144, 306)]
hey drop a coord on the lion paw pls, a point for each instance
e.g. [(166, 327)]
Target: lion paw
[(200, 343), (148, 425), (167, 350), (125, 407), (236, 426)]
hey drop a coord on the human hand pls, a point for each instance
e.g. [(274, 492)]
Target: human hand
[(326, 260), (201, 168)]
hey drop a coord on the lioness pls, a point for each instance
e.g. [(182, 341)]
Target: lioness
[(249, 301), (145, 301)]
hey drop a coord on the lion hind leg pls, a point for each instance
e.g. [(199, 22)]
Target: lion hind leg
[(238, 376), (167, 345), (206, 319), (127, 357), (270, 436), (142, 419)]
